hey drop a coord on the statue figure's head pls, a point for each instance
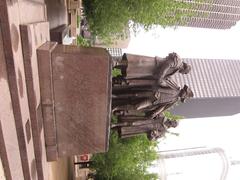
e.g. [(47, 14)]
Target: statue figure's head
[(185, 93), (171, 123), (185, 68), (173, 56)]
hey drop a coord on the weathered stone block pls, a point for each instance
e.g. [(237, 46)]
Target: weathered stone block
[(46, 88), (32, 36), (80, 80), (57, 34)]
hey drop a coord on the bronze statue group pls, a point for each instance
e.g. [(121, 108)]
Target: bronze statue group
[(143, 91)]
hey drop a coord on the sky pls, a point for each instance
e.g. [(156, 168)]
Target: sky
[(211, 132), (187, 42), (222, 132), (196, 43)]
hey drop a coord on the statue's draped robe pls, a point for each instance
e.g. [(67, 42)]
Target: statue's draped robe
[(156, 98), (145, 70), (144, 126)]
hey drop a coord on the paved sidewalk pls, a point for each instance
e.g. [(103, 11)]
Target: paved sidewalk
[(61, 169), (2, 175)]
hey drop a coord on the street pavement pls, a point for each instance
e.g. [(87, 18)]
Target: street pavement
[(2, 176), (61, 169)]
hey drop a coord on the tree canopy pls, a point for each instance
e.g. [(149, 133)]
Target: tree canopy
[(126, 159), (110, 17)]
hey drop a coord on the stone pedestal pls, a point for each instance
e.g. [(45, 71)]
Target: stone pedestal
[(19, 150), (57, 34), (75, 88), (23, 28), (32, 36)]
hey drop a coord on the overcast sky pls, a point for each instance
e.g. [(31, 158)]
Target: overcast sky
[(188, 42)]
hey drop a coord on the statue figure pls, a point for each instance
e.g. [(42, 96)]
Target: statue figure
[(148, 69), (149, 99), (154, 128), (148, 91)]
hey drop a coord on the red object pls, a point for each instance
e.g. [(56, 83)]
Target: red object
[(84, 157)]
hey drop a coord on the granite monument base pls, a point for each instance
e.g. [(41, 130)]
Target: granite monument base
[(75, 85), (21, 146)]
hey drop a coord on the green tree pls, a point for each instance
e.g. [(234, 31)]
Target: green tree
[(108, 18), (83, 42), (171, 116), (126, 159)]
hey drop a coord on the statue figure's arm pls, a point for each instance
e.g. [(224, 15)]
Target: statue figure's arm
[(157, 111), (171, 61), (162, 69), (143, 104), (162, 108)]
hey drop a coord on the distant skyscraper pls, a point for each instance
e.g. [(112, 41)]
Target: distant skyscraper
[(193, 163), (215, 14), (216, 87), (115, 52)]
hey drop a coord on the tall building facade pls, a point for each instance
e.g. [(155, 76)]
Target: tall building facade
[(193, 163), (115, 52), (215, 14), (216, 87)]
